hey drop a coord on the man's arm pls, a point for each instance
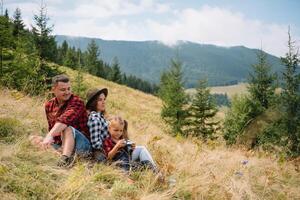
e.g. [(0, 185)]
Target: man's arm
[(55, 131)]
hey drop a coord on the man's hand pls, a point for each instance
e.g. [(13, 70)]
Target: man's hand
[(48, 140)]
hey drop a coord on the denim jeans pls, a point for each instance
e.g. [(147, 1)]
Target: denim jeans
[(82, 144), (140, 153)]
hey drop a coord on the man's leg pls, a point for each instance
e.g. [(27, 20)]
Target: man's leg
[(68, 142)]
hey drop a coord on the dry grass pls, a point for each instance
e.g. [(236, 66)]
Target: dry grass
[(198, 170)]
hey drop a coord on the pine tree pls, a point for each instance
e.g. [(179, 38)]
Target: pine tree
[(291, 95), (44, 42), (18, 24), (92, 55), (71, 58), (80, 87), (202, 112), (6, 15), (6, 40), (174, 99), (115, 73), (261, 82), (62, 52)]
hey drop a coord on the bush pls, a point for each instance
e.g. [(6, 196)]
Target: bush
[(10, 130), (240, 114)]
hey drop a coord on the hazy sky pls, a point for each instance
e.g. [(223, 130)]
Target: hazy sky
[(252, 23)]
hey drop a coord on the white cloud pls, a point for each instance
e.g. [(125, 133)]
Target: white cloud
[(132, 20), (112, 8), (218, 26)]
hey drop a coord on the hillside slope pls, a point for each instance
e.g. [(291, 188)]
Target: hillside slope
[(201, 171), (147, 59)]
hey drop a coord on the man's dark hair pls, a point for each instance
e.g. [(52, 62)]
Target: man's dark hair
[(60, 78)]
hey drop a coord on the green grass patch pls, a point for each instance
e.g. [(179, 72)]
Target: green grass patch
[(10, 130)]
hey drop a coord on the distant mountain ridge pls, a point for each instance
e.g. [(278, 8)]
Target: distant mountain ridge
[(148, 59)]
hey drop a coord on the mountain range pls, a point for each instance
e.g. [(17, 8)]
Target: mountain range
[(148, 59)]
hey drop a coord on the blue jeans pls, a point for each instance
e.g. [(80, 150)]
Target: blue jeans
[(82, 144), (141, 153)]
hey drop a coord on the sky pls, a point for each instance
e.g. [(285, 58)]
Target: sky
[(251, 23)]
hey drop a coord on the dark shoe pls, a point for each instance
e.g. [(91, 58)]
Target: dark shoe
[(66, 161)]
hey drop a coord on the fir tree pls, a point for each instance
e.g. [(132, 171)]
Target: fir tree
[(62, 52), (115, 73), (44, 42), (202, 112), (18, 24), (174, 99), (71, 58), (261, 82), (92, 55), (6, 14), (80, 87), (6, 40), (291, 95)]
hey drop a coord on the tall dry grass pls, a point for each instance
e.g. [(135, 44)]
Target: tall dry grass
[(195, 170)]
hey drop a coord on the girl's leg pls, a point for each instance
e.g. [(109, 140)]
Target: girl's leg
[(140, 153)]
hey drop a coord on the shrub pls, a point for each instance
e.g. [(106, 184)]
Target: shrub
[(240, 114)]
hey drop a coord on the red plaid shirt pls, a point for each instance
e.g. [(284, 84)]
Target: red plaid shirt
[(108, 145), (71, 113)]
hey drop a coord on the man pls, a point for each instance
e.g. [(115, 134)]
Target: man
[(67, 120)]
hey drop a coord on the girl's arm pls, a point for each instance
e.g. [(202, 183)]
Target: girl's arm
[(114, 151)]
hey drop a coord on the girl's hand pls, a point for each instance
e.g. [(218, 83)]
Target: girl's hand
[(120, 143)]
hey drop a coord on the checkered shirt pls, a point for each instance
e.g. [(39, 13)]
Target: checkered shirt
[(98, 128)]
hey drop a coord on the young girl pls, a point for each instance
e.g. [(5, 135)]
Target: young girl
[(119, 149)]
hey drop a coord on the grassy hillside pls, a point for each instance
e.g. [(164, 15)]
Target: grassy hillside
[(201, 171)]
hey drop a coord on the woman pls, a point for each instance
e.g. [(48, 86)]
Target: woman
[(97, 124)]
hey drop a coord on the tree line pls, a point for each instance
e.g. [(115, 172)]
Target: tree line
[(268, 116), (26, 57)]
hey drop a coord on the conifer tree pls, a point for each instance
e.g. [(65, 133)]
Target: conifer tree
[(202, 112), (6, 40), (92, 55), (62, 52), (291, 95), (174, 99), (80, 87), (71, 58), (115, 74), (44, 42), (18, 24), (262, 82), (6, 14)]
